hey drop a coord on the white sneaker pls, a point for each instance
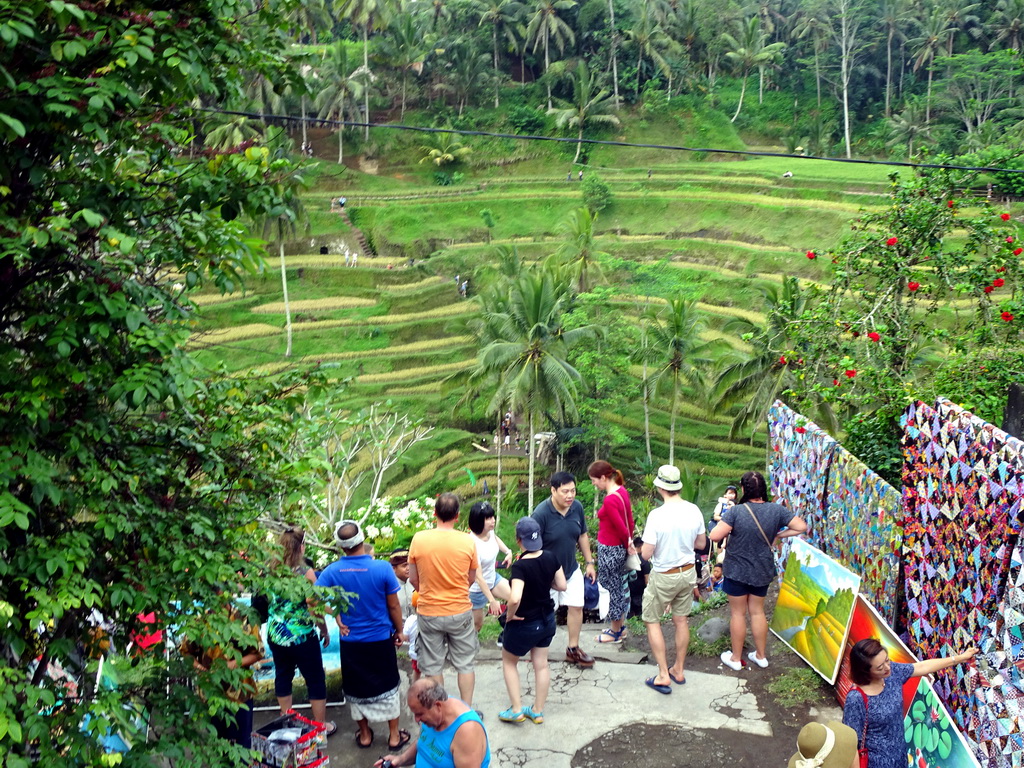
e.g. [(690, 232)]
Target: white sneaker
[(726, 658), (762, 663)]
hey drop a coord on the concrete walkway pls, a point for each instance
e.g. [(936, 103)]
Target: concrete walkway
[(582, 706)]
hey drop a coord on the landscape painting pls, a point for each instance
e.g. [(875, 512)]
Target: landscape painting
[(868, 622), (814, 609)]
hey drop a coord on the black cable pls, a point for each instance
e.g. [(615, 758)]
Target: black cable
[(601, 142)]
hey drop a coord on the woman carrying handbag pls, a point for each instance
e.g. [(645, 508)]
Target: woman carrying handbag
[(614, 545), (874, 705), (749, 566)]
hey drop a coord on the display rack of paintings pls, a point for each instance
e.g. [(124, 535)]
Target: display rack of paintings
[(815, 604), (962, 486)]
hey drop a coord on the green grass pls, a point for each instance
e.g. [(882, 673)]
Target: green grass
[(797, 687)]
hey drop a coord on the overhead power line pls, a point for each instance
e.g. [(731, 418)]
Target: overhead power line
[(607, 143)]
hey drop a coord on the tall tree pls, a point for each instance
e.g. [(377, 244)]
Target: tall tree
[(748, 49), (547, 24), (893, 14), (405, 49), (908, 126), (650, 40), (589, 106), (683, 358), (977, 86), (1007, 24), (847, 15), (816, 28), (925, 47), (524, 355), (579, 252), (368, 15), (343, 84), (501, 16)]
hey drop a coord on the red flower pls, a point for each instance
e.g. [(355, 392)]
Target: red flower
[(1008, 317), (1000, 269), (1005, 216), (835, 382), (856, 334), (892, 241), (949, 203), (998, 282), (874, 336), (800, 430), (812, 255), (989, 289), (850, 373), (1018, 251), (782, 360), (913, 285), (1009, 239)]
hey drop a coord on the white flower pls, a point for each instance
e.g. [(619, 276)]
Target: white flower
[(387, 532), (372, 531)]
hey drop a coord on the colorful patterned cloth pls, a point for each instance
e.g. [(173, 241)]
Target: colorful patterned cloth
[(852, 514), (962, 485), (995, 713)]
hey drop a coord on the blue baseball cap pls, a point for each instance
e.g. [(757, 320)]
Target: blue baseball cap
[(528, 533)]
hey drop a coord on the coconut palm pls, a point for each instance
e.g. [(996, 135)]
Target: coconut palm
[(961, 16), (651, 41), (680, 356), (589, 106), (444, 148), (546, 24), (579, 252), (230, 131), (404, 49), (816, 28), (309, 17), (1007, 24), (757, 379), (747, 49), (893, 15), (466, 73), (908, 126), (524, 355), (501, 16), (924, 49), (342, 85), (368, 15)]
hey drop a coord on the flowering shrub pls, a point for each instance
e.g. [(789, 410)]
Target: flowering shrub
[(391, 523)]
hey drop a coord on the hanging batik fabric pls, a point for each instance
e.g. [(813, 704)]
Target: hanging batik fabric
[(962, 480)]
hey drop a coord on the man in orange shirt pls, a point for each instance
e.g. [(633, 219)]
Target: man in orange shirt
[(442, 566)]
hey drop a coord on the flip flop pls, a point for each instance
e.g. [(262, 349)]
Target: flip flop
[(403, 739), (666, 689), (360, 744), (676, 680), (332, 728)]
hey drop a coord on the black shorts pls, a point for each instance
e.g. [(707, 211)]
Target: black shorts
[(739, 589), (306, 656), (521, 637)]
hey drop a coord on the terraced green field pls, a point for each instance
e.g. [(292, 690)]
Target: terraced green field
[(394, 327)]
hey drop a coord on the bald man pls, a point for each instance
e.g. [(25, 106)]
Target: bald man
[(452, 735)]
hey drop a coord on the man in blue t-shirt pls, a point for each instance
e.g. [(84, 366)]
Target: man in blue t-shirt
[(371, 629), (564, 528), (452, 735)]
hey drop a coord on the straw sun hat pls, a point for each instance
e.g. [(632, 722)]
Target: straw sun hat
[(832, 745)]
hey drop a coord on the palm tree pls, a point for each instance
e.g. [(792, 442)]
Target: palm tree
[(230, 131), (748, 49), (924, 49), (613, 33), (309, 16), (908, 126), (756, 380), (579, 252), (404, 49), (893, 14), (682, 357), (342, 87), (651, 41), (368, 15), (1007, 24), (816, 27), (524, 358), (960, 16), (589, 106), (466, 73), (501, 16), (444, 148), (546, 24)]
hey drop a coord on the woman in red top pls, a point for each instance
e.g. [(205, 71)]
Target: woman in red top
[(614, 543)]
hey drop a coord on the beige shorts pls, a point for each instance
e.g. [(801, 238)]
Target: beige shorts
[(674, 590), (447, 637)]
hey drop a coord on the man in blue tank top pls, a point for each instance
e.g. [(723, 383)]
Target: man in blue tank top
[(452, 735)]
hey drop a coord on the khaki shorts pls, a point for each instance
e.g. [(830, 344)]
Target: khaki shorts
[(447, 637), (668, 589)]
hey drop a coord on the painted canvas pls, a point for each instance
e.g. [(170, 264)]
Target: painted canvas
[(815, 605), (865, 623), (933, 740)]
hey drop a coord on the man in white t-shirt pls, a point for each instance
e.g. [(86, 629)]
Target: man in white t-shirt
[(673, 531)]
